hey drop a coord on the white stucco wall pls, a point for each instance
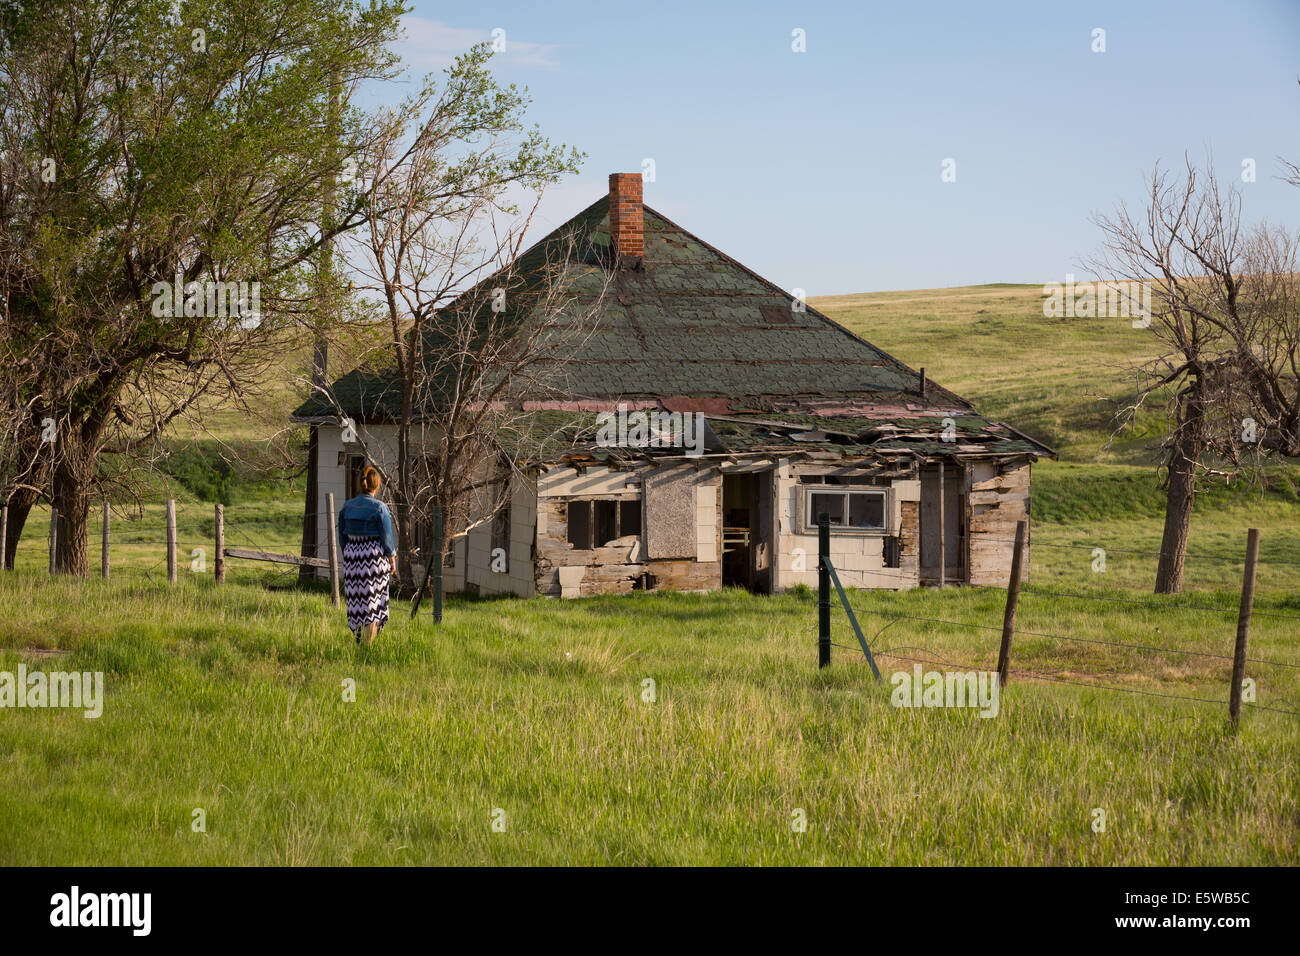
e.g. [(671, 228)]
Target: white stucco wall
[(379, 442), (472, 549), (518, 576)]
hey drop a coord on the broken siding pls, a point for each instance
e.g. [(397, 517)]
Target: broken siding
[(691, 501), (622, 565), (999, 497), (565, 571)]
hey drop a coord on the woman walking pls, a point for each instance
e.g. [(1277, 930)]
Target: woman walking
[(368, 558)]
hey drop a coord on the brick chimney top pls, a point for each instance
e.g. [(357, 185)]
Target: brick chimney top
[(626, 218)]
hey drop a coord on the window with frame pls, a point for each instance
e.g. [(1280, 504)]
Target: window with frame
[(501, 529), (598, 521), (849, 509)]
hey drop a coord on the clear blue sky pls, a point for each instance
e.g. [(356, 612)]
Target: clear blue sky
[(821, 169)]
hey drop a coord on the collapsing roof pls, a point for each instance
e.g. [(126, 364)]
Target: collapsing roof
[(572, 437), (680, 326)]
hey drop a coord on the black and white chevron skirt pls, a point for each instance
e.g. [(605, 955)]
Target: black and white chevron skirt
[(365, 582)]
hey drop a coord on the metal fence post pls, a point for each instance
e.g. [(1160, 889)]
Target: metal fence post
[(437, 564), (823, 590)]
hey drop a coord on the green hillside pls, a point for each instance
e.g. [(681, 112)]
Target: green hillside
[(1060, 380)]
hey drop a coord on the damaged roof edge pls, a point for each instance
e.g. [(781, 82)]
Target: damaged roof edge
[(1052, 453)]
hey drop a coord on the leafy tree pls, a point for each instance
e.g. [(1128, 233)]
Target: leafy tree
[(152, 153)]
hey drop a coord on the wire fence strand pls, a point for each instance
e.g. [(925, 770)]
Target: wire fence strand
[(1082, 640), (1090, 685)]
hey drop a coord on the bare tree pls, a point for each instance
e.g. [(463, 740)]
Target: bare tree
[(467, 374), (437, 179), (1223, 305)]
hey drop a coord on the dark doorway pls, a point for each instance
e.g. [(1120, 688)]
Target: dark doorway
[(943, 518), (747, 531)]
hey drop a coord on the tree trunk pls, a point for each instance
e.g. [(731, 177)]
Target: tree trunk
[(403, 490), (320, 358), (405, 542), (1181, 492), (20, 506), (72, 496), (402, 505)]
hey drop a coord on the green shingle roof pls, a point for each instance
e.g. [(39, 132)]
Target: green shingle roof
[(692, 322)]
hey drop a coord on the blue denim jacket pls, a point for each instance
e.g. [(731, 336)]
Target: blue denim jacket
[(367, 516)]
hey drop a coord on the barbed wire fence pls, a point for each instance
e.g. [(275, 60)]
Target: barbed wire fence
[(128, 539), (116, 532), (1241, 690)]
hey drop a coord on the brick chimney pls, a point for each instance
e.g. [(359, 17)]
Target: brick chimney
[(626, 219)]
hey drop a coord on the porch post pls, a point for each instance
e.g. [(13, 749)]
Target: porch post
[(943, 530)]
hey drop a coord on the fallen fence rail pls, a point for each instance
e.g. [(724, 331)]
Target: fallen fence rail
[(252, 555), (249, 554)]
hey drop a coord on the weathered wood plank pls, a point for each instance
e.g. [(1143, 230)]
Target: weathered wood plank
[(997, 505), (277, 558)]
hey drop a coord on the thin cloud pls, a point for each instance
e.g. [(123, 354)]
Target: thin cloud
[(430, 45)]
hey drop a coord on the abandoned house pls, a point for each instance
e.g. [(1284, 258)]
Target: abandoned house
[(768, 414)]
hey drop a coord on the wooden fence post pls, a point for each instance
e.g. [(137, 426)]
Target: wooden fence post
[(823, 590), (171, 540), (1009, 615), (219, 569), (54, 533), (4, 536), (1243, 625), (334, 548), (103, 545)]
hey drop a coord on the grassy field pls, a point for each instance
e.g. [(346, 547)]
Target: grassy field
[(232, 701)]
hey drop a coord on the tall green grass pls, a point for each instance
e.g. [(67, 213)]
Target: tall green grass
[(231, 700)]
